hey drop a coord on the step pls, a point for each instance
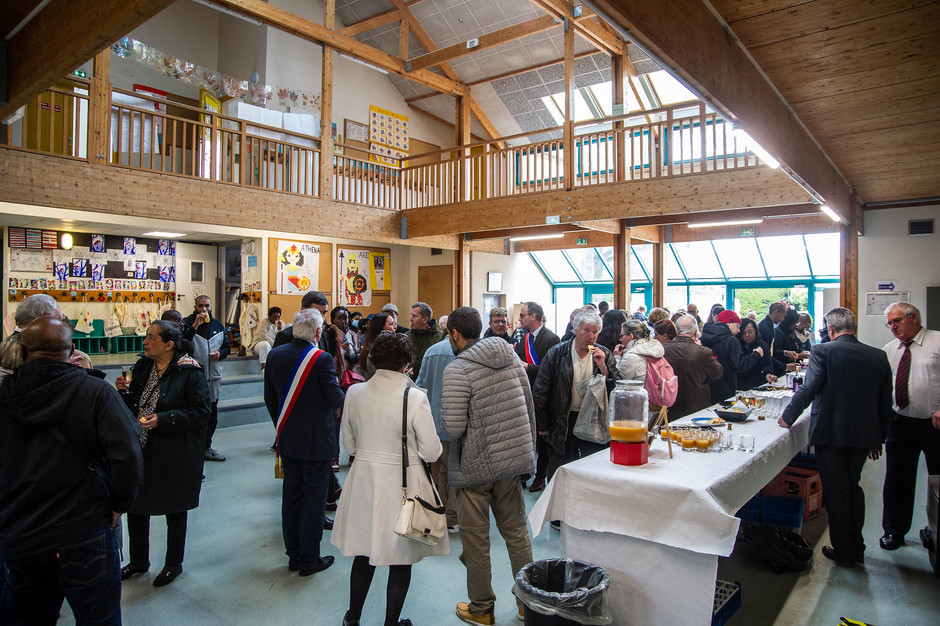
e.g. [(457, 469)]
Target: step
[(244, 386), (243, 411)]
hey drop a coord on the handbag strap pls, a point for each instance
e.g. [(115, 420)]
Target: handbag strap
[(404, 444)]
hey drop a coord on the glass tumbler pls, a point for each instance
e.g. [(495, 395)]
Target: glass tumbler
[(747, 443)]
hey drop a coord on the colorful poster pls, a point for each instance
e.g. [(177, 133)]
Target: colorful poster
[(97, 272), (97, 243), (62, 271), (298, 267), (380, 277), (130, 245), (352, 288), (388, 137), (140, 269), (163, 247), (79, 268), (164, 274)]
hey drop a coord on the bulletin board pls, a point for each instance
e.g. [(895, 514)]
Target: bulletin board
[(291, 304), (380, 294)]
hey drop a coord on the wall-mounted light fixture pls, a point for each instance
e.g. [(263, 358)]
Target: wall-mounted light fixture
[(65, 242)]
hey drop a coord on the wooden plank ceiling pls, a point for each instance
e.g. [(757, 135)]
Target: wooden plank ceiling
[(863, 77)]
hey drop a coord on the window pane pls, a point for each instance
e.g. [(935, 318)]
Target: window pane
[(824, 253), (739, 258), (645, 253), (603, 93), (675, 297), (607, 254), (673, 272), (704, 296), (588, 264), (566, 300), (784, 256), (698, 260), (558, 269), (669, 89)]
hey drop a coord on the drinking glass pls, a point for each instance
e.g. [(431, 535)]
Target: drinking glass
[(735, 441), (127, 371), (688, 441), (747, 443), (725, 443)]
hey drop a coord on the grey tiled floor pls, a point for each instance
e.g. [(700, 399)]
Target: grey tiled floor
[(236, 572)]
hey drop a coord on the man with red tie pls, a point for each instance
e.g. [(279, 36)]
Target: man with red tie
[(536, 343), (915, 425)]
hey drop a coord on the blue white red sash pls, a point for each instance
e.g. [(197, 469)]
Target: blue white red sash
[(298, 376), (530, 356)]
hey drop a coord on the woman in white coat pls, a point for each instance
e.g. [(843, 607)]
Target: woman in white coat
[(372, 496), (635, 345)]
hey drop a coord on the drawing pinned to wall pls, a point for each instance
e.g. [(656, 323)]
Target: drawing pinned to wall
[(163, 247), (353, 286), (97, 243), (62, 271), (164, 274), (380, 277), (79, 268), (140, 269), (130, 245), (97, 272), (298, 267)]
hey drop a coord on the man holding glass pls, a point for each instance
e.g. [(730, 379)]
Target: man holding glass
[(849, 385)]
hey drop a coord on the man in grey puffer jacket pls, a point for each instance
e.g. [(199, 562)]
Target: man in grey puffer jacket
[(488, 412)]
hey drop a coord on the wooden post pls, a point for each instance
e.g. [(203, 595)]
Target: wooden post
[(326, 108), (618, 68), (659, 270), (568, 138), (848, 270), (462, 273), (621, 266), (99, 111), (462, 136), (403, 40)]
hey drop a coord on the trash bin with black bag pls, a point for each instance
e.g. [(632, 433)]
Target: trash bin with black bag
[(558, 592)]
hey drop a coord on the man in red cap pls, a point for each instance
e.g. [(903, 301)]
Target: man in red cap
[(721, 338)]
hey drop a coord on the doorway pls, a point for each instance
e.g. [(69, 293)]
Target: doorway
[(436, 288)]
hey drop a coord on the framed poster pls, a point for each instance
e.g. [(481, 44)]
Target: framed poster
[(494, 281), (352, 268), (356, 131), (298, 267)]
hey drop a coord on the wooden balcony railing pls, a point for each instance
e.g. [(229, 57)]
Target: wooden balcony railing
[(682, 139)]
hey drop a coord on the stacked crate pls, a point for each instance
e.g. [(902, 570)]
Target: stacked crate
[(803, 484)]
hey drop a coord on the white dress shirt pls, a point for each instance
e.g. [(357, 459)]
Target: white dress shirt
[(923, 384)]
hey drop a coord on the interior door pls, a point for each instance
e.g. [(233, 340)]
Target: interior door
[(436, 288)]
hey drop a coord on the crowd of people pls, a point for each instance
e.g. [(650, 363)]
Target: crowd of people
[(473, 418)]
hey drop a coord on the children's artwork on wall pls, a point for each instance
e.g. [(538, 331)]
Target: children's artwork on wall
[(97, 243), (380, 277), (62, 271), (165, 274), (352, 288), (130, 245), (388, 137), (298, 267), (79, 268), (163, 247), (97, 272), (140, 269)]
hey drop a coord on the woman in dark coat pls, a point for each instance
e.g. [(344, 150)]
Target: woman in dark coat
[(169, 395), (785, 348), (763, 371), (609, 337)]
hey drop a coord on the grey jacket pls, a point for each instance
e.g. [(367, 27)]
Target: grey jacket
[(488, 412)]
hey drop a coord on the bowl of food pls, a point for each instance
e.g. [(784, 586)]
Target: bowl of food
[(734, 414)]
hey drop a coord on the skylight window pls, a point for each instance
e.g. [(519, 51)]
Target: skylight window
[(669, 90)]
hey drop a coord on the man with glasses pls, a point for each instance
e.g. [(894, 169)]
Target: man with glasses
[(536, 343), (499, 326), (915, 425)]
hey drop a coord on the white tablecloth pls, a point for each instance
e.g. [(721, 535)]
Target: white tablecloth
[(660, 527)]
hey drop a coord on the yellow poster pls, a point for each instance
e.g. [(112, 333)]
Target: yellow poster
[(388, 137), (380, 276)]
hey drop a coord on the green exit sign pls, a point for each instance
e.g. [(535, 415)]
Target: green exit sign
[(747, 232), (582, 241), (81, 73)]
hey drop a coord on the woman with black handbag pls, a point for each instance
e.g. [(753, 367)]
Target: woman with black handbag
[(169, 395), (372, 495)]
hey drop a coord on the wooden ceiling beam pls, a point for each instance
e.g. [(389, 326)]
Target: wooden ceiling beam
[(532, 231), (311, 31), (594, 240), (606, 226), (729, 189), (787, 210), (592, 31), (386, 17), (489, 40), (686, 37), (63, 36)]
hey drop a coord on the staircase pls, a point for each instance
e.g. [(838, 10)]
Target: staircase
[(242, 397)]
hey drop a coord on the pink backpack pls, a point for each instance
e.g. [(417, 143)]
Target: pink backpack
[(661, 384)]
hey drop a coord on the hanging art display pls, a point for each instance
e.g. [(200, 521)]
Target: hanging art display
[(388, 137), (298, 267), (353, 285)]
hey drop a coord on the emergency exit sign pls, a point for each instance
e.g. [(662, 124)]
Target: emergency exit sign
[(582, 241)]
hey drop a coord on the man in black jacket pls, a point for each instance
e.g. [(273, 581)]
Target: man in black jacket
[(775, 315), (849, 385), (721, 338), (210, 347), (57, 514)]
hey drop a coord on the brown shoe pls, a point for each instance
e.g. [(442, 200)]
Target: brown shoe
[(538, 484), (463, 612)]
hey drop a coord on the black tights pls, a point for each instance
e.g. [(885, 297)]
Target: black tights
[(360, 579)]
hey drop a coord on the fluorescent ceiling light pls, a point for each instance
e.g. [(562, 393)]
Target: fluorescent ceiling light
[(158, 233), (830, 213), (228, 11), (755, 147), (728, 223), (381, 70), (531, 237)]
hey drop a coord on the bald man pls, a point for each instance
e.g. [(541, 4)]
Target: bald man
[(70, 465)]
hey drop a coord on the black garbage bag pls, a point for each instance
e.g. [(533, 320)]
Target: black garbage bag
[(570, 589), (783, 550)]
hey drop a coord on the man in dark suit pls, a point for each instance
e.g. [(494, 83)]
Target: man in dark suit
[(775, 315), (306, 439), (536, 343), (311, 300), (849, 384)]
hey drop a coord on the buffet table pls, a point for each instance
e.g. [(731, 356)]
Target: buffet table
[(658, 529)]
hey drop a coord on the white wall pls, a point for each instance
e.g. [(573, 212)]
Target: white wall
[(186, 289), (886, 252), (522, 281)]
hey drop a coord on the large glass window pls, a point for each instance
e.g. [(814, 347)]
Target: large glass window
[(644, 253), (824, 254), (589, 264), (739, 258), (698, 260), (556, 266), (784, 256)]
